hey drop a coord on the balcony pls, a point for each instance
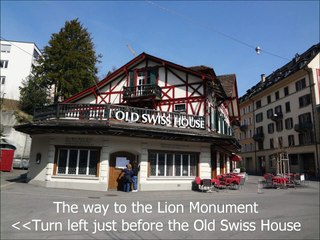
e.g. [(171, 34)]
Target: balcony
[(277, 116), (142, 92), (258, 137), (103, 114), (303, 127), (243, 127)]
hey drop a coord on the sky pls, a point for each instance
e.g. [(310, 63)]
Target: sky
[(219, 34)]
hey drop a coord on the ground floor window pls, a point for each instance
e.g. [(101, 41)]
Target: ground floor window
[(173, 164), (77, 161)]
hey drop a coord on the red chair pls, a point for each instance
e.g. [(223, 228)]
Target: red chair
[(221, 183), (198, 182)]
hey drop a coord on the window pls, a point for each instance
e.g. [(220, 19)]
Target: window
[(291, 140), (280, 142), (301, 84), (304, 100), (306, 138), (260, 145), (259, 130), (279, 126), (271, 128), (259, 117), (258, 104), (277, 95), (36, 55), (144, 76), (269, 99), (305, 118), (294, 159), (289, 123), (77, 161), (4, 63), (286, 91), (3, 80), (271, 161), (6, 48), (278, 109), (269, 113), (180, 107), (271, 143), (173, 164), (288, 108)]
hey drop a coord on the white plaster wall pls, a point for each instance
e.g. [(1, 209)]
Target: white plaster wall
[(43, 173), (40, 145)]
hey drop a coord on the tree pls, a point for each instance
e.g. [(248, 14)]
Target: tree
[(33, 93), (69, 60)]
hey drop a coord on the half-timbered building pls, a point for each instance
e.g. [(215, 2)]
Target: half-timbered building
[(175, 121)]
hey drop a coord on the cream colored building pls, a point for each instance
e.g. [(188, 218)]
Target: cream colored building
[(284, 108), (244, 134)]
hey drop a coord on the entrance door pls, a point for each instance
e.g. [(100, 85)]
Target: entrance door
[(140, 83), (115, 181)]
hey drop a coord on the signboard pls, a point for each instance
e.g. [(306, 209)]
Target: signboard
[(164, 119), (121, 162)]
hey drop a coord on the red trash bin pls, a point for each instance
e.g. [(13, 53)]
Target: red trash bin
[(6, 157)]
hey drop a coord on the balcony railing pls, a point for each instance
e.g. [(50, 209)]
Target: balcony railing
[(105, 112), (243, 127), (303, 127), (277, 116), (258, 137), (142, 91)]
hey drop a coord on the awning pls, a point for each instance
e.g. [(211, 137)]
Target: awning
[(236, 158)]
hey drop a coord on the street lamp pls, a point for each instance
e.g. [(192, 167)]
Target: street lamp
[(258, 50)]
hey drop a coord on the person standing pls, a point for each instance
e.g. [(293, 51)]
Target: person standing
[(135, 172), (127, 178)]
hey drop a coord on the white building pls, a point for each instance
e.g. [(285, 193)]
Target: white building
[(173, 120), (17, 61)]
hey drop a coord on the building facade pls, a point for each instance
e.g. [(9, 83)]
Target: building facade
[(17, 61), (176, 122), (284, 108), (245, 133)]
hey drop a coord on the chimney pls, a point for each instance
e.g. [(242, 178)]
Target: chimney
[(263, 78)]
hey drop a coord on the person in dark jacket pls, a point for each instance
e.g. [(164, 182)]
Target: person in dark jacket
[(127, 178), (135, 172)]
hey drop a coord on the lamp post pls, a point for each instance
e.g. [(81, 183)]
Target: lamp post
[(275, 115)]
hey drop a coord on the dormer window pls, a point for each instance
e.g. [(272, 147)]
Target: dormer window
[(5, 48), (143, 76), (142, 85)]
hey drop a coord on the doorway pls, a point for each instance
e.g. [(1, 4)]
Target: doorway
[(115, 178), (140, 83)]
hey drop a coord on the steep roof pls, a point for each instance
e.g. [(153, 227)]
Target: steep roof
[(204, 69), (141, 57), (228, 81), (297, 63)]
